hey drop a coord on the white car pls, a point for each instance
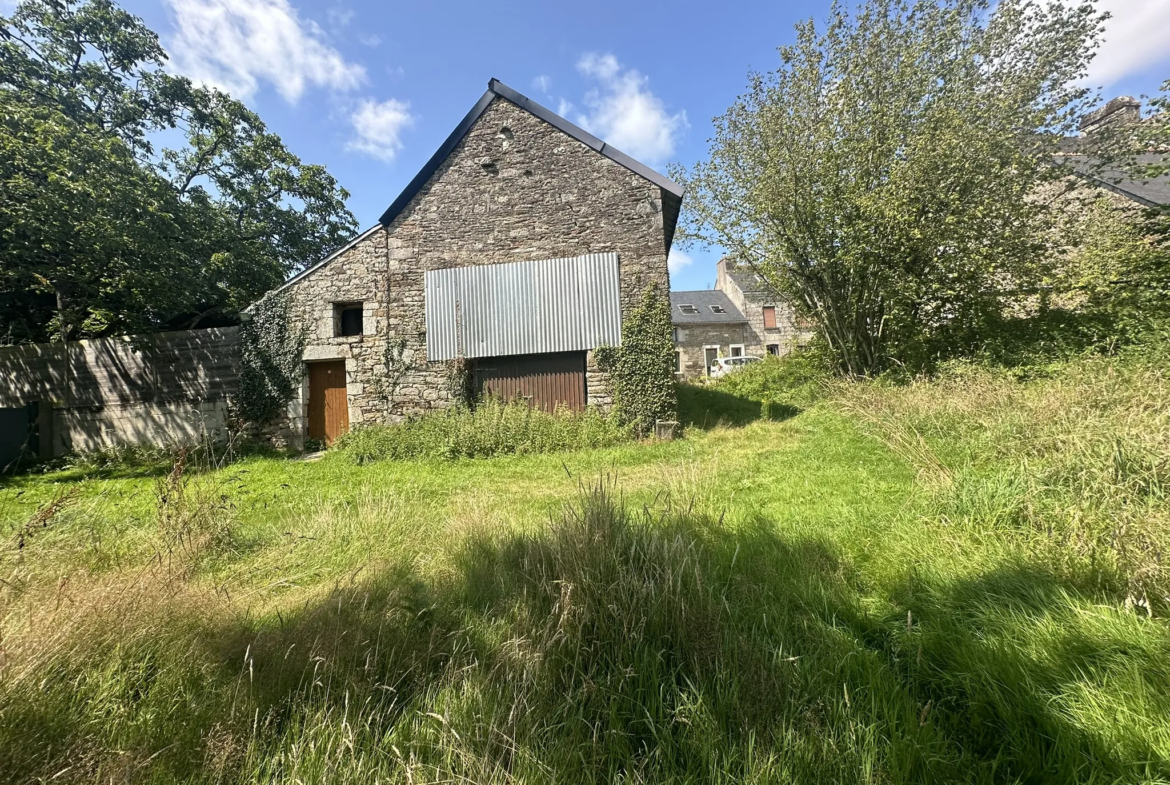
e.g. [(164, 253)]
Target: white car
[(725, 365)]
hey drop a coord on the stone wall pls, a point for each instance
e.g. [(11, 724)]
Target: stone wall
[(514, 189), (692, 340), (355, 274), (167, 388)]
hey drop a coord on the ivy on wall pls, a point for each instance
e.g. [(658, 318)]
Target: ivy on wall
[(460, 381), (395, 366), (642, 368), (271, 350)]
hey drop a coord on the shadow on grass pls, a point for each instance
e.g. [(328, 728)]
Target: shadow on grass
[(154, 462), (705, 408), (649, 646)]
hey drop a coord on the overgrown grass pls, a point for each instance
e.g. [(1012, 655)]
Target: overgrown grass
[(799, 378), (952, 580), (1076, 467), (493, 427)]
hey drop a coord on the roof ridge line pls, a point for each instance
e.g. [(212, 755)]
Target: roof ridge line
[(498, 88)]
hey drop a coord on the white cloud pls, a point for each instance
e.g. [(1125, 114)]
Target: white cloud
[(238, 44), (623, 111), (677, 261), (378, 126), (372, 41), (542, 83), (564, 108), (339, 16), (1135, 40)]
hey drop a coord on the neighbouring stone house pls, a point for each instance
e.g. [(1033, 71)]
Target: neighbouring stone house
[(1076, 155), (504, 263), (742, 315)]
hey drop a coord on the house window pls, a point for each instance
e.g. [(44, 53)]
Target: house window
[(769, 317), (678, 362), (347, 319), (718, 309), (675, 334), (688, 308), (774, 349), (736, 350)]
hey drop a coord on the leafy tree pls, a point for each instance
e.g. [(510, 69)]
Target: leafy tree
[(883, 177), (212, 224), (1133, 274), (83, 225)]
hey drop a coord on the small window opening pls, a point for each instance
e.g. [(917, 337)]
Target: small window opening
[(506, 133), (736, 350), (774, 349), (718, 309), (678, 362), (688, 309), (769, 317), (347, 319)]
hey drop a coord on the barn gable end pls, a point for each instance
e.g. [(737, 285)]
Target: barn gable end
[(513, 183)]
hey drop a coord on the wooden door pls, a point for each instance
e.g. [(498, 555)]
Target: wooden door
[(544, 380), (328, 402)]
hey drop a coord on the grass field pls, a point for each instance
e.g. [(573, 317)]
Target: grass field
[(957, 580)]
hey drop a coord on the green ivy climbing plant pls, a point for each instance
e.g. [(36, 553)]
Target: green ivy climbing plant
[(642, 368), (271, 350)]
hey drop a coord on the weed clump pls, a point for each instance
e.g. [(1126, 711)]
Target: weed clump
[(493, 427), (799, 378)]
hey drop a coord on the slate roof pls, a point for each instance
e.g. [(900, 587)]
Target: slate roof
[(703, 300), (1152, 193)]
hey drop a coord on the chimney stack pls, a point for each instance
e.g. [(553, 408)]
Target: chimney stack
[(1122, 110)]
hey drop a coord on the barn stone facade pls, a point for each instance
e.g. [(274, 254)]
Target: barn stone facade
[(514, 183)]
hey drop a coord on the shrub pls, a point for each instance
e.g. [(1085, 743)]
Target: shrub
[(493, 427), (800, 376), (642, 368)]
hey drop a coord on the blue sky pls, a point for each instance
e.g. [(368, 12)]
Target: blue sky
[(371, 89)]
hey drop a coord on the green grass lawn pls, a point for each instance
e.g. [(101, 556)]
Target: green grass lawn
[(958, 580)]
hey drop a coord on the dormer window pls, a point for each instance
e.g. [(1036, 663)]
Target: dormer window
[(688, 309), (718, 309)]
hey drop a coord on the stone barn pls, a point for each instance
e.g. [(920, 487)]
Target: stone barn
[(504, 263)]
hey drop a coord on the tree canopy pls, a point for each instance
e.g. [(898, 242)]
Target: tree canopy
[(102, 229), (884, 176)]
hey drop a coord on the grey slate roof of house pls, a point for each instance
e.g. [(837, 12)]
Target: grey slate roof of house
[(703, 300), (1150, 193)]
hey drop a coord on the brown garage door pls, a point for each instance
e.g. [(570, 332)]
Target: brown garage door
[(328, 402), (544, 380)]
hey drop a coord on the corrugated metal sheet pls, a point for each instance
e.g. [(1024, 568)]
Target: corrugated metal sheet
[(554, 305)]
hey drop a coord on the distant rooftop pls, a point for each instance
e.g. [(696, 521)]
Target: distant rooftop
[(1151, 193), (705, 306)]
